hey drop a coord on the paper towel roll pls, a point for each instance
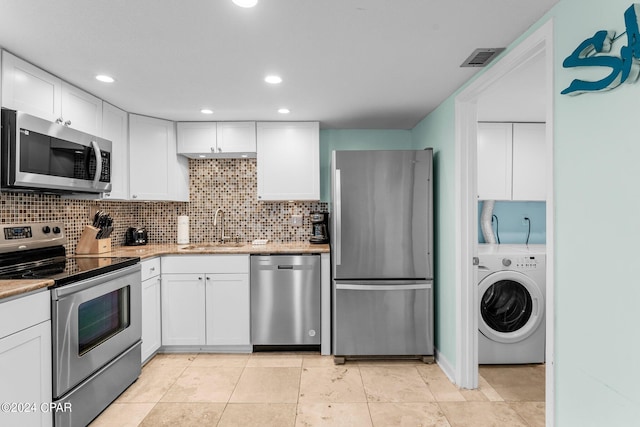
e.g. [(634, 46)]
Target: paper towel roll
[(183, 230)]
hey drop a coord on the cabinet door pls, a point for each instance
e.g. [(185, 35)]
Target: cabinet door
[(81, 110), (156, 171), (197, 137), (288, 161), (494, 161), (115, 125), (237, 137), (183, 309), (27, 88), (151, 320), (228, 312), (25, 370), (529, 154)]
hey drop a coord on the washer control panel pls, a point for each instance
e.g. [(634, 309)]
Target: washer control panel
[(528, 262)]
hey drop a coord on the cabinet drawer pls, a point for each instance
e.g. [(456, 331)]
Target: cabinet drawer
[(22, 313), (206, 264), (150, 268)]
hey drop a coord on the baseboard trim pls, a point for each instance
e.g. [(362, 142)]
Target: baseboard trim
[(446, 366)]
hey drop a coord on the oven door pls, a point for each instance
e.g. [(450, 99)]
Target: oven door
[(93, 322), (38, 154)]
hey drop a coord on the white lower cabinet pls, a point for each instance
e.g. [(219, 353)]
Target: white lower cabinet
[(211, 308), (151, 319), (25, 361)]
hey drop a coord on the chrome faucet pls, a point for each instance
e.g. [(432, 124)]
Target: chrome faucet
[(215, 223)]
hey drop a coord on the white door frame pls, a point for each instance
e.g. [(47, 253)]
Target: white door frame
[(466, 113)]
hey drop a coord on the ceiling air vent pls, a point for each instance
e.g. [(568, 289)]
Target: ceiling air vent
[(481, 57)]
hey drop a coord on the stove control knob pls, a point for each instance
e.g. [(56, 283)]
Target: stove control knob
[(46, 229), (506, 262), (56, 230)]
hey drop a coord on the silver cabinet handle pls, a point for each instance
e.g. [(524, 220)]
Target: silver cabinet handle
[(59, 120), (67, 123), (134, 196)]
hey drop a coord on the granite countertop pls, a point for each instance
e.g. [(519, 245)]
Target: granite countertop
[(9, 288)]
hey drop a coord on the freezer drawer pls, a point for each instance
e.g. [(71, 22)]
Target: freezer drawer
[(383, 319), (285, 300)]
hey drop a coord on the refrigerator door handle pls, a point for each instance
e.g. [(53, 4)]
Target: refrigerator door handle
[(338, 219), (383, 287)]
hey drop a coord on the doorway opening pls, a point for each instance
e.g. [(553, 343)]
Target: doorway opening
[(540, 42)]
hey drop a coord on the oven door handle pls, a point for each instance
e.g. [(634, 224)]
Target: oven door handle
[(82, 285), (98, 154)]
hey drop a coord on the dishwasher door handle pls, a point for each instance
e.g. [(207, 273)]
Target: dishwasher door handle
[(285, 267)]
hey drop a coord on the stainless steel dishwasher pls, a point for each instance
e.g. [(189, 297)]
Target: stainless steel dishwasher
[(285, 300)]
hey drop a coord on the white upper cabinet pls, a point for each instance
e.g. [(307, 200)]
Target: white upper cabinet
[(27, 88), (81, 110), (32, 90), (156, 171), (115, 126), (288, 161), (511, 161), (217, 139)]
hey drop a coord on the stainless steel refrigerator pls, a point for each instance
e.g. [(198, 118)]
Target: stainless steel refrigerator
[(382, 253)]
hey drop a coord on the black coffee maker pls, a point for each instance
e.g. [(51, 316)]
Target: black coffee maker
[(319, 227)]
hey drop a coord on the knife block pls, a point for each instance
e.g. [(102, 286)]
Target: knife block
[(88, 244)]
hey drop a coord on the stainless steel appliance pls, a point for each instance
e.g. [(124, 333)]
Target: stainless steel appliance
[(136, 236), (285, 300), (96, 316), (382, 253), (319, 227), (38, 155)]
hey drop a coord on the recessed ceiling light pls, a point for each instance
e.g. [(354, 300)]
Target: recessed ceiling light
[(104, 78), (206, 111), (284, 111), (245, 3), (274, 80)]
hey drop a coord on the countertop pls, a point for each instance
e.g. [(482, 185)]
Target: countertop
[(9, 288)]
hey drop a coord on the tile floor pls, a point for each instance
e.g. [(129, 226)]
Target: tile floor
[(304, 390)]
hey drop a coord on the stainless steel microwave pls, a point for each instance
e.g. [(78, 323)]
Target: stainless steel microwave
[(39, 155)]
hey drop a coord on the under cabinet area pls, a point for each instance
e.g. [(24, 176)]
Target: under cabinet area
[(25, 360), (205, 302), (34, 91), (151, 318), (511, 161), (288, 161), (217, 139)]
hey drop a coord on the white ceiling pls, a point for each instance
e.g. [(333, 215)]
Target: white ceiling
[(352, 64)]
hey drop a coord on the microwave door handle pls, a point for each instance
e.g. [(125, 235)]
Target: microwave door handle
[(96, 152)]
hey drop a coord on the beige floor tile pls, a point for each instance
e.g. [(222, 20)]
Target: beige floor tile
[(173, 359), (486, 389), (270, 360), (317, 361), (407, 415), (532, 412), (153, 383), (481, 414), (184, 414), (228, 360), (123, 415), (333, 415), (203, 384), (473, 395), (267, 385), (442, 388), (516, 382), (332, 384), (394, 384), (258, 415)]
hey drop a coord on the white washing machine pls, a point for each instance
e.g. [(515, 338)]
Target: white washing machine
[(511, 294)]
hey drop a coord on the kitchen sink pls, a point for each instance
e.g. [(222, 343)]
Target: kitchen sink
[(205, 246)]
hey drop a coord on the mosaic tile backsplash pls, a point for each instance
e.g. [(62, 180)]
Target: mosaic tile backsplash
[(228, 184)]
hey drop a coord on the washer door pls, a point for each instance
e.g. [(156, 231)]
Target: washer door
[(511, 306)]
